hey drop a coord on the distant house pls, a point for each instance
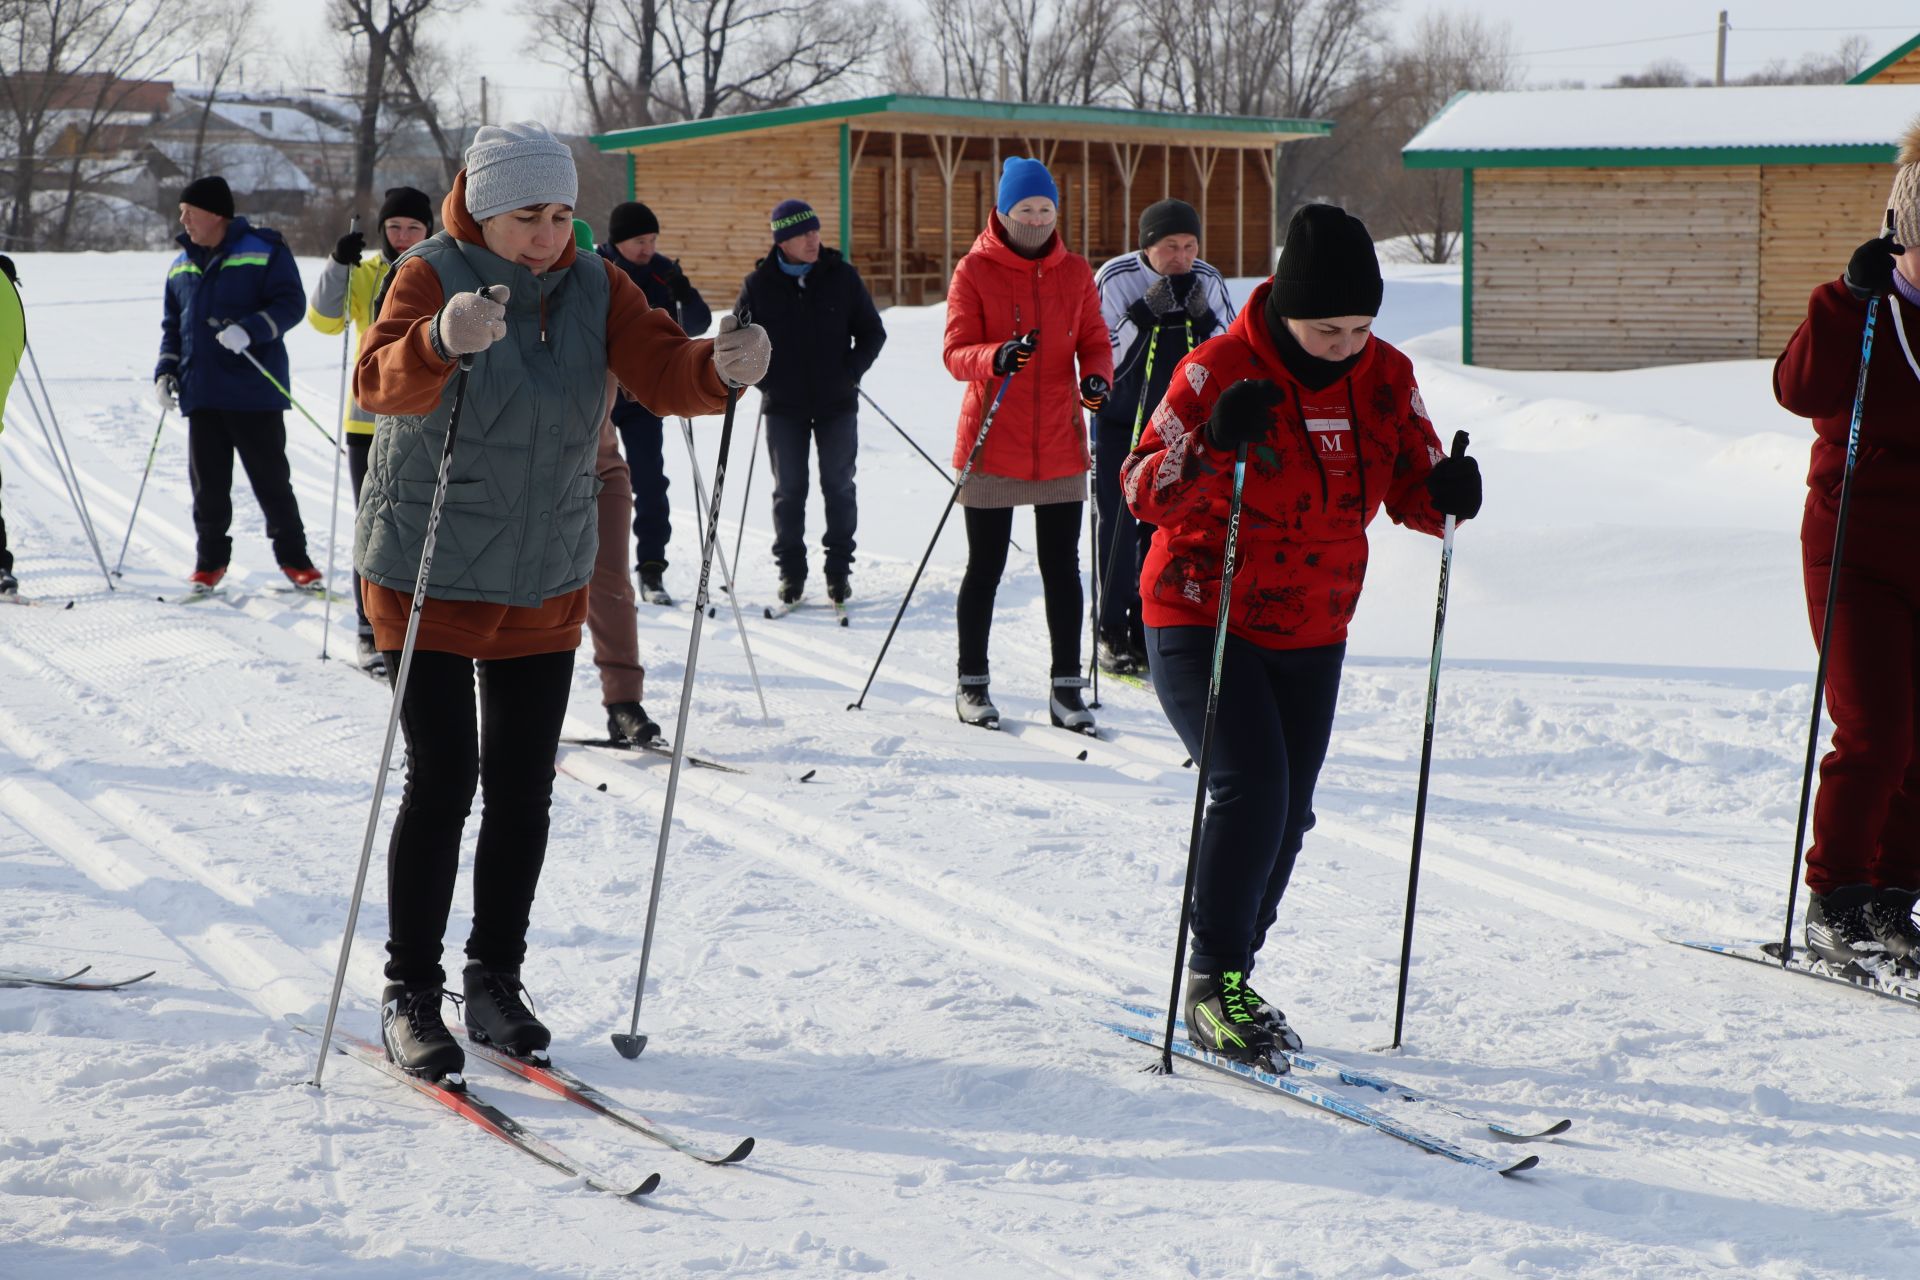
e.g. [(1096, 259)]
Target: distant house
[(1619, 228)]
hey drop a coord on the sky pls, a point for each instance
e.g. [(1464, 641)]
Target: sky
[(1558, 41)]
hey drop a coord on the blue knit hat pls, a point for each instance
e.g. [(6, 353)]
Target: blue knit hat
[(793, 218), (1020, 178)]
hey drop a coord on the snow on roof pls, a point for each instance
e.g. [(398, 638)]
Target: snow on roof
[(247, 166), (1772, 116), (280, 123)]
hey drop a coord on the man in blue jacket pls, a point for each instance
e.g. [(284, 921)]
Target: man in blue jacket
[(826, 334), (232, 291), (633, 234)]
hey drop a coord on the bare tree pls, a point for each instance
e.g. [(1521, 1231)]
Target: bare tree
[(612, 50), (75, 66), (390, 55), (228, 32)]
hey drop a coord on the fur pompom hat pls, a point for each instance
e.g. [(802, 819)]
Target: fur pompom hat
[(1905, 199)]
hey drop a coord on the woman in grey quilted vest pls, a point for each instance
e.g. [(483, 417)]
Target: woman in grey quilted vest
[(514, 552)]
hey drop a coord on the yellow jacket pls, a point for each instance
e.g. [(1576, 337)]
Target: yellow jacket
[(345, 293)]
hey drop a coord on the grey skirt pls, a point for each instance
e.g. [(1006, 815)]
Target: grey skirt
[(983, 490)]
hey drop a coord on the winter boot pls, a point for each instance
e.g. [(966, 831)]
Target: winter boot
[(1270, 1015), (973, 705), (496, 1015), (203, 581), (629, 722), (791, 589), (9, 585), (368, 655), (1838, 930), (304, 578), (1890, 916), (1113, 655), (839, 588), (416, 1036), (1220, 1017), (1066, 708), (653, 586)]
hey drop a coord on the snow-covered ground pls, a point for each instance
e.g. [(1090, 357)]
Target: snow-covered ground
[(886, 973)]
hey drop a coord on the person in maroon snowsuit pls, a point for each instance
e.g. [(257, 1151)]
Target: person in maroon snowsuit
[(1863, 868), (1335, 430)]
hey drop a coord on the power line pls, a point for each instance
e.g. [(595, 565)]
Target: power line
[(1616, 44)]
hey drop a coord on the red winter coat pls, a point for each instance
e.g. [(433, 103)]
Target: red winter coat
[(1331, 459), (997, 295), (1815, 377)]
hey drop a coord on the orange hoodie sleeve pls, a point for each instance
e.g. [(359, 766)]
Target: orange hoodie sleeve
[(668, 372), (398, 372)]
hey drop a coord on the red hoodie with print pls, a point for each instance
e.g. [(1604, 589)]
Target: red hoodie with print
[(1330, 461)]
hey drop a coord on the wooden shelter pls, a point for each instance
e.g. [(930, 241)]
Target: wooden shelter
[(902, 183), (1620, 228)]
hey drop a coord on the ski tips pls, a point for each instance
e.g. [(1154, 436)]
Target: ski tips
[(1081, 756), (648, 1185), (739, 1153), (1520, 1166), (808, 775), (627, 1046)]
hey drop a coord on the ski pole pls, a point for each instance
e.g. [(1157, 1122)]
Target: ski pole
[(1093, 528), (1426, 758), (726, 571), (297, 406), (399, 698), (333, 507), (630, 1044), (740, 534), (960, 481), (140, 493), (884, 417), (1826, 616), (1105, 588), (50, 427), (1165, 1065)]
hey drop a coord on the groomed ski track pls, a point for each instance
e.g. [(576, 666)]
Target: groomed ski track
[(884, 973)]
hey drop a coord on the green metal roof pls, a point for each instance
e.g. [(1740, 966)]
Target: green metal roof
[(956, 109), (1867, 75), (1647, 157)]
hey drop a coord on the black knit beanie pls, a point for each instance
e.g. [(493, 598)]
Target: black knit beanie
[(1168, 218), (407, 202), (211, 194), (1327, 267), (629, 220)]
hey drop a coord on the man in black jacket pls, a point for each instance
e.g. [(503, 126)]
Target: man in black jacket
[(826, 334), (632, 237)]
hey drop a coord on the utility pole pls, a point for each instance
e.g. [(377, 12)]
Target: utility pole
[(483, 97), (1720, 52)]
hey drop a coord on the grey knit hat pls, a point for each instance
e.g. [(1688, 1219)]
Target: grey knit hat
[(513, 166)]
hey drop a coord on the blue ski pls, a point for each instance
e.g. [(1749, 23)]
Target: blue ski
[(1379, 1084), (1886, 984), (1315, 1097)]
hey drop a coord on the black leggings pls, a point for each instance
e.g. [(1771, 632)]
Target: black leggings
[(1057, 546), (510, 755)]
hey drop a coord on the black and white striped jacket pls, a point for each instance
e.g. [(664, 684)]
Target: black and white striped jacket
[(1121, 283)]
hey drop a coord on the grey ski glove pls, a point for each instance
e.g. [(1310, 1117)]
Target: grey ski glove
[(741, 352), (469, 323), (166, 392)]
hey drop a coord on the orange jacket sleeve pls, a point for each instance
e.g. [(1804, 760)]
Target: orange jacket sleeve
[(668, 372), (397, 372)]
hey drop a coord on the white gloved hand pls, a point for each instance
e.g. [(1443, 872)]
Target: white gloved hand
[(741, 352), (166, 392), (234, 338), (470, 323)]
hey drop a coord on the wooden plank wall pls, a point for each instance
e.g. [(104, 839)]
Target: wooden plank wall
[(1905, 71), (1615, 268), (1812, 217), (716, 224)]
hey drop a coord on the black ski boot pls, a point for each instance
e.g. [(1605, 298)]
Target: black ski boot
[(1220, 1017), (973, 705), (839, 588), (791, 589), (371, 660), (9, 585), (496, 1014), (1272, 1017), (1838, 930), (416, 1036), (1114, 655), (653, 587), (629, 722), (1066, 708), (1890, 916)]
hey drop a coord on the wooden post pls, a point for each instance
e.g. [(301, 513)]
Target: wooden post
[(1166, 171), (1239, 211), (1086, 199), (946, 153), (1126, 159), (1203, 169), (1267, 254), (899, 248)]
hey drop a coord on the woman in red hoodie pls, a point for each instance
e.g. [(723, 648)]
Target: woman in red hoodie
[(1863, 868), (1334, 429), (1017, 279)]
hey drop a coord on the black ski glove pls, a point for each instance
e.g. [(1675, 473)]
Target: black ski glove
[(1093, 392), (678, 285), (348, 248), (1454, 486), (1244, 413), (1012, 356), (1870, 269)]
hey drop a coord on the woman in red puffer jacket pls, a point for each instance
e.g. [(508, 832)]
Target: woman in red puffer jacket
[(1017, 280)]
